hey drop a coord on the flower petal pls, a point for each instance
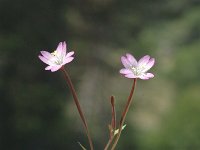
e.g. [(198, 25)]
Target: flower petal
[(143, 77), (59, 49), (146, 76), (125, 62), (125, 71), (67, 60), (70, 54), (55, 68), (150, 75), (48, 68), (46, 54), (130, 76), (144, 60), (131, 59), (64, 48), (45, 60), (149, 64)]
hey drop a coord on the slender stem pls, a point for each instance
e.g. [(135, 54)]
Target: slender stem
[(113, 121), (124, 114), (69, 82), (112, 127), (109, 142)]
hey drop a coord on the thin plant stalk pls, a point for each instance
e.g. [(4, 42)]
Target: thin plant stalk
[(112, 126), (109, 142), (122, 120), (69, 82), (113, 120)]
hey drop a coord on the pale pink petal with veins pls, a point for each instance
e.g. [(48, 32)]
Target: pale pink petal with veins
[(125, 71), (131, 59), (55, 68), (125, 62), (144, 60), (58, 58), (134, 69)]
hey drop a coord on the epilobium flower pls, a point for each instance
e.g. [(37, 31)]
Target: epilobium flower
[(58, 58), (134, 69)]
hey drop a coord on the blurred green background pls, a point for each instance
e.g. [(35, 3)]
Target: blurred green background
[(37, 111)]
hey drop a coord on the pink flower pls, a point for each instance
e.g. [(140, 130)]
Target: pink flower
[(134, 69), (58, 58)]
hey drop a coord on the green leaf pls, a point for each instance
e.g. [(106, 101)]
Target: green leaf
[(82, 146), (116, 131)]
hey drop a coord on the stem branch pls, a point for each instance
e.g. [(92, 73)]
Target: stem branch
[(124, 114), (112, 126)]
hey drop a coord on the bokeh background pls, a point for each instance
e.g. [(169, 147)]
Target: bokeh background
[(37, 111)]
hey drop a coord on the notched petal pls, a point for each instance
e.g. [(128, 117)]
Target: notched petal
[(125, 62), (144, 60), (131, 59)]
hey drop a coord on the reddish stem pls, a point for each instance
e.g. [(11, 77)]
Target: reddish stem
[(124, 114), (113, 121), (69, 82), (112, 127)]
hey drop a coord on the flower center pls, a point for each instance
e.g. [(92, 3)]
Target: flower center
[(56, 58), (136, 70), (54, 53)]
